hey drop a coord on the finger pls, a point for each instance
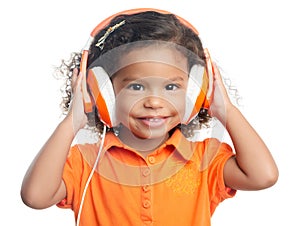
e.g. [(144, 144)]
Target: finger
[(218, 79), (219, 83), (79, 80), (217, 73), (74, 78)]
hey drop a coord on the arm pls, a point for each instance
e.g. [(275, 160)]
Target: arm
[(43, 185), (253, 168)]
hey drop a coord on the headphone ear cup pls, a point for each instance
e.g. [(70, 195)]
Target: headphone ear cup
[(196, 92), (103, 95), (210, 74)]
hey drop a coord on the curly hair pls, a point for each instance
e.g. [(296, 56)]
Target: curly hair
[(143, 26)]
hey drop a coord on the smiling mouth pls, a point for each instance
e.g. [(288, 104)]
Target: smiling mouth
[(153, 121)]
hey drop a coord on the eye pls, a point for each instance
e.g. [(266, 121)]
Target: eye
[(172, 87), (137, 87)]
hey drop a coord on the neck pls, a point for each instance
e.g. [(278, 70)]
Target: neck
[(142, 145)]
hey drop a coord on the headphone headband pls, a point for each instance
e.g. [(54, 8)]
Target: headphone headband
[(105, 22)]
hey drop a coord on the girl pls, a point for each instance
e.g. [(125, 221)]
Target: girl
[(143, 69)]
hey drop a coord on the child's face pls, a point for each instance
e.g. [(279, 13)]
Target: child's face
[(150, 91)]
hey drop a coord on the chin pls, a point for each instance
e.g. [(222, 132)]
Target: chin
[(152, 135)]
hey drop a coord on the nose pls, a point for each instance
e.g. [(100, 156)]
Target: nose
[(153, 102)]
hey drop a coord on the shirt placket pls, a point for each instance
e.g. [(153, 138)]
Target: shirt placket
[(147, 192)]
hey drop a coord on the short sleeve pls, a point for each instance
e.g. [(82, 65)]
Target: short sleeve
[(219, 154), (72, 171)]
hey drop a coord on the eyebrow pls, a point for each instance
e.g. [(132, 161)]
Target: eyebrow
[(175, 78), (127, 80)]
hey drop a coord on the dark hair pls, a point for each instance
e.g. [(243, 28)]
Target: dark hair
[(143, 26)]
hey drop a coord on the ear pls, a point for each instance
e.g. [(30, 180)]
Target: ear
[(103, 95)]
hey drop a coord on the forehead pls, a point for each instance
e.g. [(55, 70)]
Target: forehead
[(144, 51), (161, 54)]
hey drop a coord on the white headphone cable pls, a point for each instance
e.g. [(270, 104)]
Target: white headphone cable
[(91, 175)]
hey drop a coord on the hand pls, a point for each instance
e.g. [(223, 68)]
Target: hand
[(76, 111), (220, 101)]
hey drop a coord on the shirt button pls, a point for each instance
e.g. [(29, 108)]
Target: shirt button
[(146, 172), (147, 223), (146, 188), (146, 204), (151, 159)]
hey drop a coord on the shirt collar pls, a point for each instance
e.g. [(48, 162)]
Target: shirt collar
[(183, 146)]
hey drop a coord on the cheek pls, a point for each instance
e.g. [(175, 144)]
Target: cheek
[(122, 110), (125, 104), (177, 103)]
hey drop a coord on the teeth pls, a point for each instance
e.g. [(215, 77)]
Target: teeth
[(154, 119)]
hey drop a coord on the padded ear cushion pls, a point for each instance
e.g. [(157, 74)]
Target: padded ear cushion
[(103, 95), (196, 92)]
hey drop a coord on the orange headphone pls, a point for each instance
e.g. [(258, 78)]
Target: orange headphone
[(102, 95)]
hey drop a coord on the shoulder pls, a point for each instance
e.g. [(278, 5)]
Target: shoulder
[(81, 152), (212, 146), (81, 148), (212, 151)]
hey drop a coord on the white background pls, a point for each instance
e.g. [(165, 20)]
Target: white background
[(256, 42)]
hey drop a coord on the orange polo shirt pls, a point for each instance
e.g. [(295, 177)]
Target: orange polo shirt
[(179, 184)]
